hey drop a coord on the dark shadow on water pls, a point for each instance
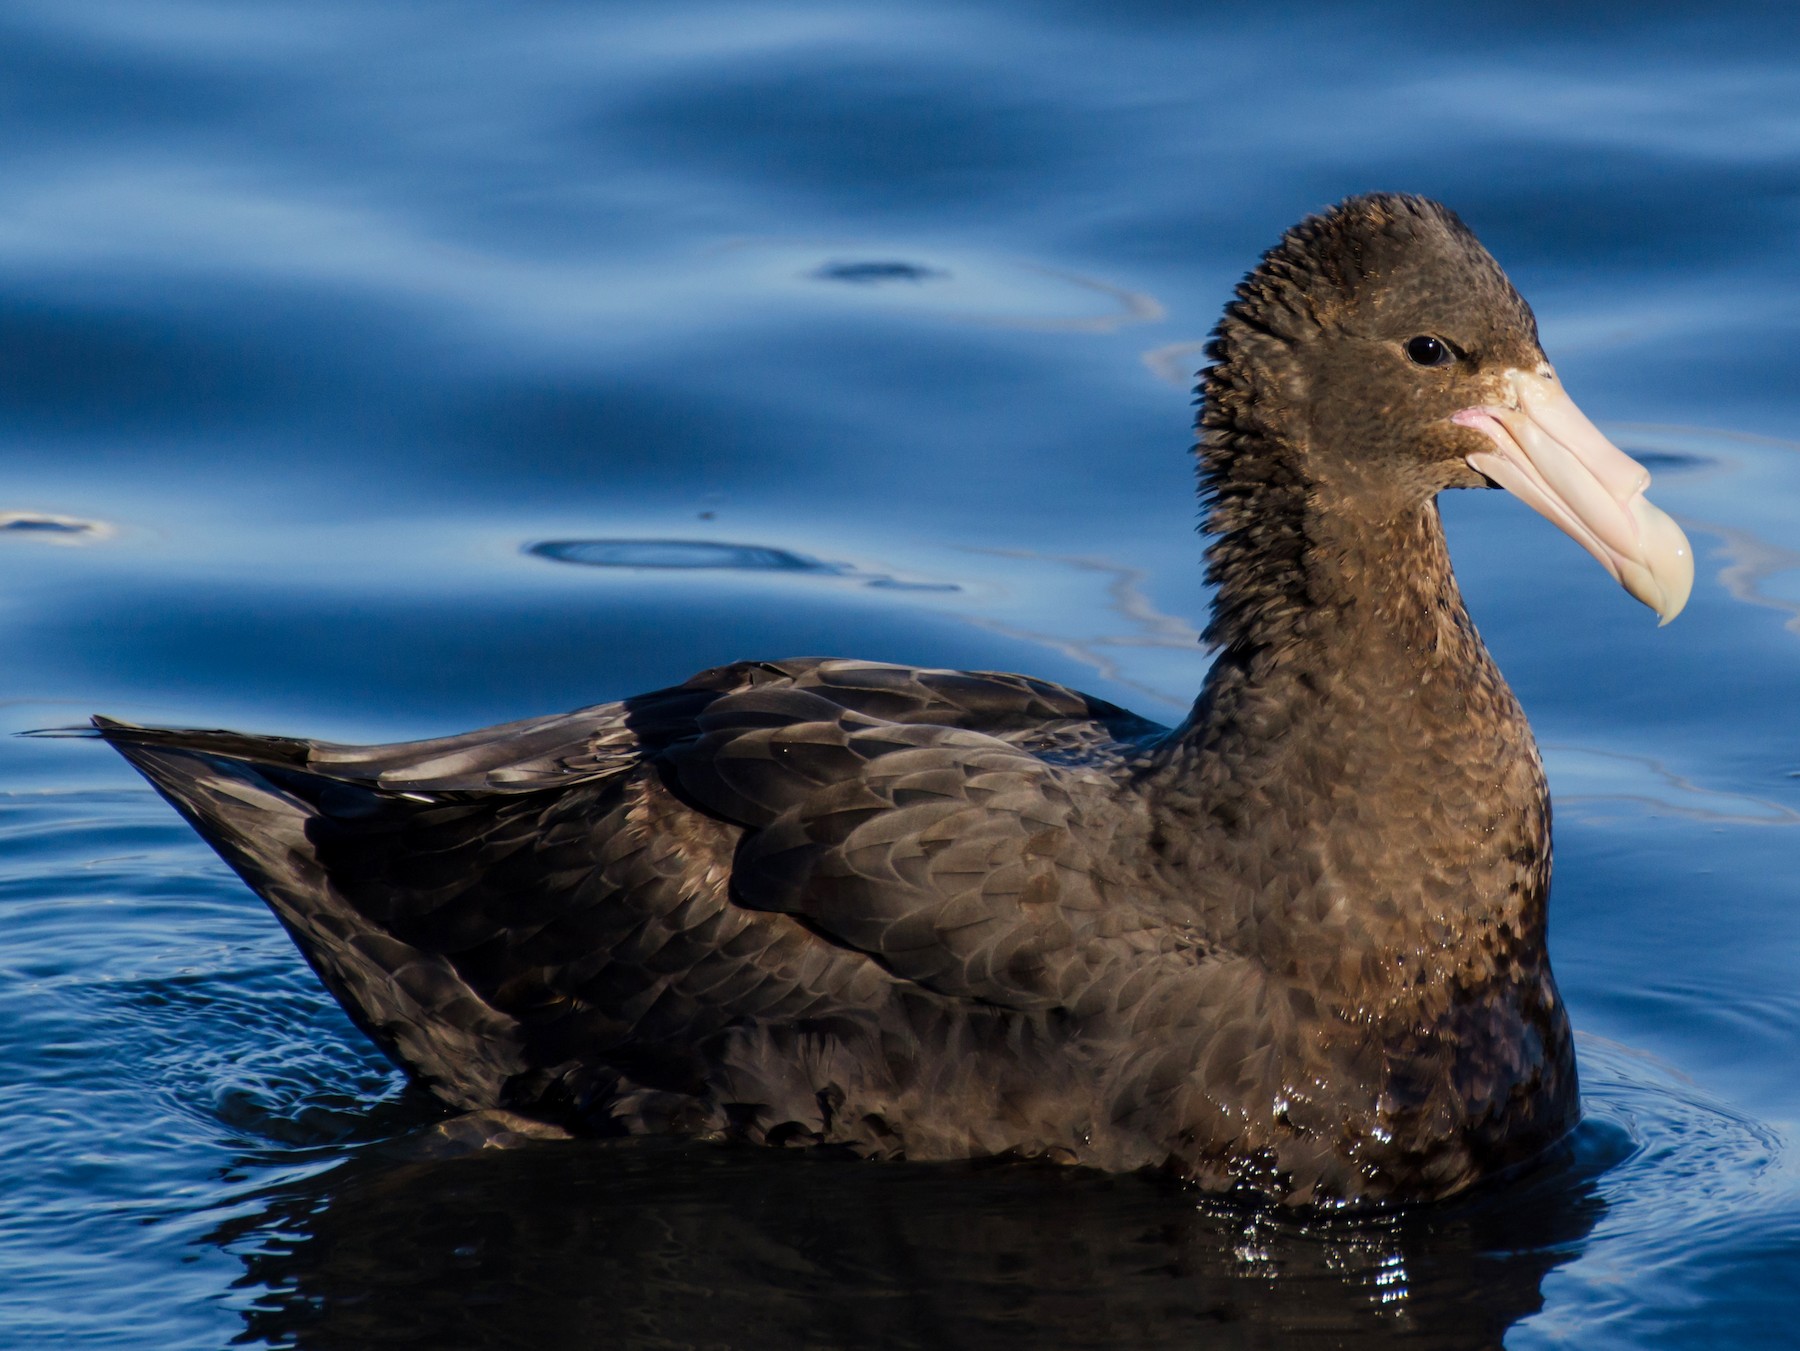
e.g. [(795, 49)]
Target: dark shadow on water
[(677, 553), (871, 273), (661, 1244), (689, 555)]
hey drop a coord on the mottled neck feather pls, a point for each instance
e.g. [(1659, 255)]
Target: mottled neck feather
[(1255, 498), (1352, 725), (1254, 487), (1313, 580), (1292, 556)]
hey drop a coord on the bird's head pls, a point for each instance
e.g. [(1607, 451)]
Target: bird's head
[(1384, 347)]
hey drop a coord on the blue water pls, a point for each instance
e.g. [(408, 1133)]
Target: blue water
[(380, 369)]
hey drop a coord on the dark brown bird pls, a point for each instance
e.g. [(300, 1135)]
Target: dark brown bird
[(1295, 945)]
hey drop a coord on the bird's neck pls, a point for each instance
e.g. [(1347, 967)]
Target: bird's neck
[(1356, 779), (1357, 576)]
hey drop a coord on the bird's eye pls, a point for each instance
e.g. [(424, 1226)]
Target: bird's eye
[(1426, 350)]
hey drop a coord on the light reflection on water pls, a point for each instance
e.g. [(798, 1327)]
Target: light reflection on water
[(315, 319)]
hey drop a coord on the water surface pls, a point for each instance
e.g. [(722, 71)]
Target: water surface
[(380, 370)]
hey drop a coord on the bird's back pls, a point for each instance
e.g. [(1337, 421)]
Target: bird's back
[(898, 909)]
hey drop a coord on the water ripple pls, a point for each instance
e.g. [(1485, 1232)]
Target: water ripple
[(682, 555)]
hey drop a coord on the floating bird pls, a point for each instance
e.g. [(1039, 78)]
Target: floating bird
[(1294, 946)]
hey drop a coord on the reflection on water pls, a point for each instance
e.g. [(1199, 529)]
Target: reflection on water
[(685, 554), (1745, 475), (652, 1244), (657, 1243), (994, 291), (52, 528), (1126, 600), (1750, 564), (1589, 777), (875, 273), (677, 553), (1175, 362)]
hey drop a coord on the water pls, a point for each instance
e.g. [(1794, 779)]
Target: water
[(377, 370)]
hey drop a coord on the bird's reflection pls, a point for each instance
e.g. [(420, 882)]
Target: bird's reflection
[(660, 1244)]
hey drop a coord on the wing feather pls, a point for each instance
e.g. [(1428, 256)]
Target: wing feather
[(771, 843)]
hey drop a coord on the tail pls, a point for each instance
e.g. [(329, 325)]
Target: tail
[(278, 816)]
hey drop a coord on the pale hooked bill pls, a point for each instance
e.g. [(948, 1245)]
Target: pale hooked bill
[(1548, 453)]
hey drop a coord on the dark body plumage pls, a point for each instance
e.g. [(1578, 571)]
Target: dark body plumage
[(1296, 944)]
